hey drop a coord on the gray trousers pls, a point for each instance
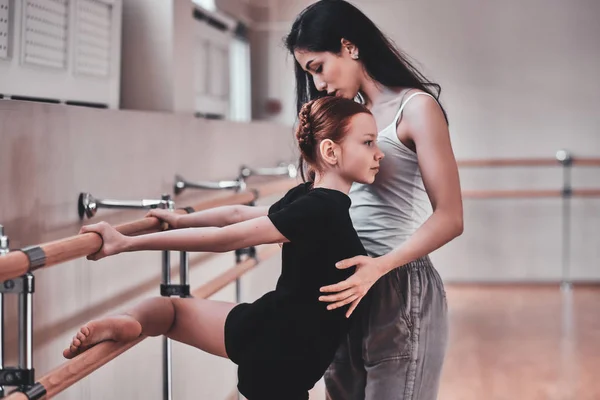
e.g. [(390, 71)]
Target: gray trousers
[(395, 351)]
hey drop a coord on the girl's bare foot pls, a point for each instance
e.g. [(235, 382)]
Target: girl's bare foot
[(120, 328)]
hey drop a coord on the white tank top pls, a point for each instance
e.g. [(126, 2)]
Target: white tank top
[(388, 211)]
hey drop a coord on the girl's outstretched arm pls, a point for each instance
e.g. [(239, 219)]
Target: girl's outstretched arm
[(219, 216), (237, 236)]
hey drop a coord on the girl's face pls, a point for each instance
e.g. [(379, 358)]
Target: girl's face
[(338, 75), (359, 157)]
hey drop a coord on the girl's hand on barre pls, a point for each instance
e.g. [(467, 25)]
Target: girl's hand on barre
[(113, 242), (170, 217)]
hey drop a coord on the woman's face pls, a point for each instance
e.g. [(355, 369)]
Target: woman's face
[(336, 74), (360, 156)]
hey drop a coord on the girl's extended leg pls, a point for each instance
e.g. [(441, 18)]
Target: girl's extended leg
[(196, 322)]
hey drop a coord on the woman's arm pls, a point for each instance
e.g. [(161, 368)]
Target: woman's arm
[(237, 236), (219, 216), (425, 125)]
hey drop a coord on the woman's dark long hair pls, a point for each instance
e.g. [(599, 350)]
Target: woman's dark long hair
[(321, 27)]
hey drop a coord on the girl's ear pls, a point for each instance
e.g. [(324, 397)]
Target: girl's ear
[(328, 152)]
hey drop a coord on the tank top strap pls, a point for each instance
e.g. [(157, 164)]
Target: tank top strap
[(399, 114)]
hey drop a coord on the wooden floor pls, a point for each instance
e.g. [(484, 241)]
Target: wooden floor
[(522, 343)]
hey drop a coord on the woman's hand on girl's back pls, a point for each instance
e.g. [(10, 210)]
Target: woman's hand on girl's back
[(352, 290)]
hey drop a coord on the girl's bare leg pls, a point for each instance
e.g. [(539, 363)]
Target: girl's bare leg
[(196, 322)]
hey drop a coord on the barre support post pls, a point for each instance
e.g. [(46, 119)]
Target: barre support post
[(26, 323), (23, 376), (3, 250), (565, 158), (166, 283)]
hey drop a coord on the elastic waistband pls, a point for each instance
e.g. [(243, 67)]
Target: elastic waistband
[(423, 262)]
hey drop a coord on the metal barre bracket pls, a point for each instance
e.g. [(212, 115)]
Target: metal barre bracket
[(10, 376), (564, 157), (36, 256), (20, 285), (248, 251), (35, 392), (181, 184), (87, 205), (283, 169), (168, 290)]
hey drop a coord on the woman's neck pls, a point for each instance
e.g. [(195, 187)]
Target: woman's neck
[(375, 93)]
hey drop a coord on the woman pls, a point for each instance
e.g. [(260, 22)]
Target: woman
[(413, 207), (284, 341)]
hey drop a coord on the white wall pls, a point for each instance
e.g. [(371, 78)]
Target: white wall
[(519, 79)]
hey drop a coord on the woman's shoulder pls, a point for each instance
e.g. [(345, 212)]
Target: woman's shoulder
[(400, 102), (416, 103)]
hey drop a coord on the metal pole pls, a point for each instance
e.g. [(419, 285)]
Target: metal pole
[(167, 369), (568, 363), (167, 361), (166, 267), (566, 160), (3, 250), (26, 325), (1, 338), (184, 269)]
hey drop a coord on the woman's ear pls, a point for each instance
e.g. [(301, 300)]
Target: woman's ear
[(350, 48), (328, 152)]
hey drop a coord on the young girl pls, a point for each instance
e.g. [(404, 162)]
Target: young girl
[(284, 341), (412, 208)]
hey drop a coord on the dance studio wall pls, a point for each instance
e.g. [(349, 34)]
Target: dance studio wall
[(48, 155), (519, 79)]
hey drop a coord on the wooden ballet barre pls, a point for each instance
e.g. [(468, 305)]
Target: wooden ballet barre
[(509, 162), (587, 162), (76, 369), (527, 194), (510, 194), (527, 162), (17, 263), (586, 193)]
